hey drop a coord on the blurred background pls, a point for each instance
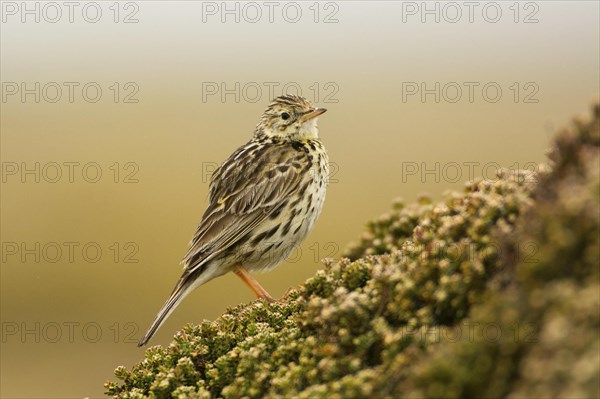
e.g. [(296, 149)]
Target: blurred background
[(114, 114)]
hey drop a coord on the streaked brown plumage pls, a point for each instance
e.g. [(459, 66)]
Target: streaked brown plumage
[(264, 200)]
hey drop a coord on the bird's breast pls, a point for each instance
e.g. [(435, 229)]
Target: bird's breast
[(284, 233)]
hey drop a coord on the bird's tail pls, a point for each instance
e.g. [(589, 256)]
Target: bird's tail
[(186, 284)]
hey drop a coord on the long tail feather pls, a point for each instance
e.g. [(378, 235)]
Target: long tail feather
[(186, 284), (162, 315)]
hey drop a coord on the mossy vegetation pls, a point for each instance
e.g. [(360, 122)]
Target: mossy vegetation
[(493, 292)]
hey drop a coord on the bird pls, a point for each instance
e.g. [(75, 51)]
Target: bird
[(263, 201)]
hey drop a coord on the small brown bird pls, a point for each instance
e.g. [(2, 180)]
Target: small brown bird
[(264, 200)]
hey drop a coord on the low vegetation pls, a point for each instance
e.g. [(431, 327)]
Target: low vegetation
[(492, 292)]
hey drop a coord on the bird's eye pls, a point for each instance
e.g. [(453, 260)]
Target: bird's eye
[(285, 116)]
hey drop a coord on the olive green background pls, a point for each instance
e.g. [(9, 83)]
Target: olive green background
[(88, 315)]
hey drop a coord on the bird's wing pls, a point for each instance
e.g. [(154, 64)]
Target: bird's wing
[(252, 184)]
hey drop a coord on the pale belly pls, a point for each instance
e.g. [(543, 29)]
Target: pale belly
[(294, 223)]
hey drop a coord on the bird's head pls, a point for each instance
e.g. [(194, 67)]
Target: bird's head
[(290, 116)]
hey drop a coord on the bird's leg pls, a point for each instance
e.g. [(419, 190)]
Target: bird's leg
[(251, 282), (288, 292)]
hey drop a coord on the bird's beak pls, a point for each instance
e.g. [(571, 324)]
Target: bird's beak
[(313, 113)]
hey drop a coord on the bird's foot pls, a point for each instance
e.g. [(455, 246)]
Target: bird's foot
[(267, 298), (285, 296)]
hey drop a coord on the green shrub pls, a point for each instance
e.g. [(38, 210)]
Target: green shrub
[(416, 308)]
